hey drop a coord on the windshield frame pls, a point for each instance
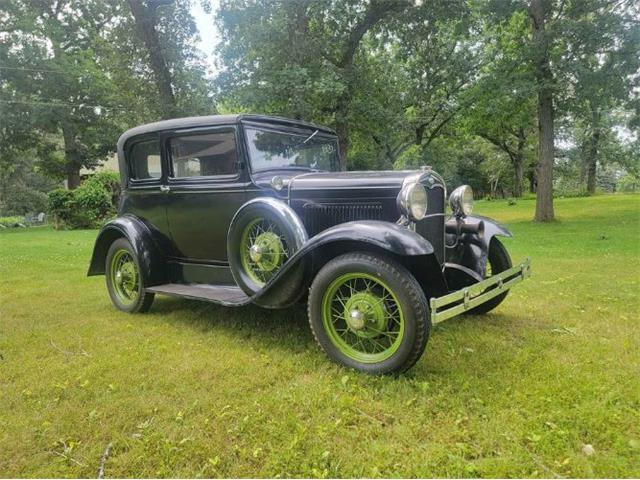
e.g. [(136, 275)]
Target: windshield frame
[(303, 130)]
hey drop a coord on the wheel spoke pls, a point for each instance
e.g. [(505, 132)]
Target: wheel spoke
[(363, 317)]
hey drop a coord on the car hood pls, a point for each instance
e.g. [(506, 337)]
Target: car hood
[(329, 186), (391, 179)]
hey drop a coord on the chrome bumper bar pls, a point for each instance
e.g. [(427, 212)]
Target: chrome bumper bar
[(452, 304)]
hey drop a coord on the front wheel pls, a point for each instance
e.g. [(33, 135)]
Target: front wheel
[(369, 313), (124, 281)]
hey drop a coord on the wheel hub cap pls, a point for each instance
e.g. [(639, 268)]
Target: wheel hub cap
[(267, 251), (255, 252), (365, 314)]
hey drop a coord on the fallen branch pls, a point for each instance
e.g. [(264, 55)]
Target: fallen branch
[(67, 353), (103, 460), (64, 352)]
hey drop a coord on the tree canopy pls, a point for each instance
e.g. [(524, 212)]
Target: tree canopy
[(539, 95)]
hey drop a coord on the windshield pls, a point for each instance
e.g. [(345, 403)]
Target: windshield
[(270, 149)]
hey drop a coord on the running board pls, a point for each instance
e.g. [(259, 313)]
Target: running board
[(227, 295)]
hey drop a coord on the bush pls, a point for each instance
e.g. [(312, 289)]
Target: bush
[(628, 184), (10, 222), (20, 199), (89, 205), (108, 181)]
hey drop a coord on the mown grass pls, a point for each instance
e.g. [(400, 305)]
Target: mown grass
[(192, 389)]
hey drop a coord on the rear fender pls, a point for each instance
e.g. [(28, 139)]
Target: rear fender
[(472, 249), (152, 266), (400, 243)]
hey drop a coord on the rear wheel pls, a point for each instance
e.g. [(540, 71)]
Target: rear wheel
[(369, 313), (498, 260), (124, 281)]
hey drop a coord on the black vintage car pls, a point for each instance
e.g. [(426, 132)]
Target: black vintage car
[(239, 209)]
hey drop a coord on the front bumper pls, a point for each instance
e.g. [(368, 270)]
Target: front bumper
[(470, 297)]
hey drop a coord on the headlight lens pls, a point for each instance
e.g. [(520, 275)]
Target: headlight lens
[(413, 201), (461, 200)]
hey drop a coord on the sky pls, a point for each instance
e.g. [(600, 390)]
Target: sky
[(209, 35)]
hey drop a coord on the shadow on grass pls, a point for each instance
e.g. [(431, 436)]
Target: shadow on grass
[(264, 325)]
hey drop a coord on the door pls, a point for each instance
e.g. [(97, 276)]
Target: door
[(206, 188), (144, 197)]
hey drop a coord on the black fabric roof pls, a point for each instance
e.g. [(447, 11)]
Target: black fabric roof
[(212, 120)]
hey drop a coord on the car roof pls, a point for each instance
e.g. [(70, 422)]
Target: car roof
[(213, 120)]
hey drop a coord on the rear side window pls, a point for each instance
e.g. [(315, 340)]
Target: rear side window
[(205, 155), (144, 158)]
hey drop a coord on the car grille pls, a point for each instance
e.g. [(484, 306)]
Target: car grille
[(432, 228), (319, 217)]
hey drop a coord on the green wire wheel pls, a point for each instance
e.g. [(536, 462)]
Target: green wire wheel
[(368, 312), (362, 317), (124, 279), (263, 250), (263, 239)]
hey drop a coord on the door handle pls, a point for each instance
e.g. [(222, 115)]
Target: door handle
[(164, 188)]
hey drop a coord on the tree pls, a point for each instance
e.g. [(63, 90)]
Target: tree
[(503, 112), (434, 55), (162, 34), (81, 75), (317, 78), (540, 12), (51, 57), (146, 20), (601, 63)]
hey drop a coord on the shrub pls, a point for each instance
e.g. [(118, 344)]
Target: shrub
[(9, 222), (89, 205), (20, 199), (107, 180), (628, 184)]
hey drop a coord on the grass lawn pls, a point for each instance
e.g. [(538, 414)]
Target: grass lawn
[(192, 389)]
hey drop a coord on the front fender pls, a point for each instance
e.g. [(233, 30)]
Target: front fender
[(491, 227), (399, 242), (385, 236), (472, 248), (152, 266)]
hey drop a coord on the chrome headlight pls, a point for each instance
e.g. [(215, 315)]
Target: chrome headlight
[(461, 200), (412, 201)]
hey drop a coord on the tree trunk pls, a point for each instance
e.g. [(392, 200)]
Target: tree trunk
[(145, 20), (72, 156), (342, 129), (518, 179), (532, 180), (518, 165), (592, 153), (544, 77)]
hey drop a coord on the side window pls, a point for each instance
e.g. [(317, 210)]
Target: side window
[(205, 155), (144, 160)]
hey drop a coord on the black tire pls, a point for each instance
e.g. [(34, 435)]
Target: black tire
[(410, 298), (498, 260), (292, 285), (143, 299)]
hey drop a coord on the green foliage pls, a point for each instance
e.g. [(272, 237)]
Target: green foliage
[(192, 389), (75, 75), (629, 183), (89, 205), (106, 180), (22, 199), (9, 222)]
